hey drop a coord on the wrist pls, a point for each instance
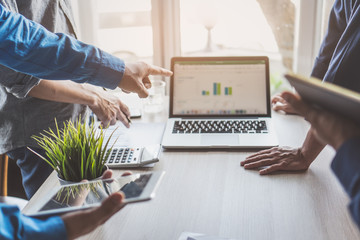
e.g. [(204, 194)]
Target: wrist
[(305, 158), (311, 147), (309, 154), (91, 95)]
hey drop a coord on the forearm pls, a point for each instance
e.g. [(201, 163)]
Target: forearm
[(65, 91), (311, 147)]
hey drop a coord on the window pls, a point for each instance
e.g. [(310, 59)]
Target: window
[(120, 27), (239, 27), (288, 31)]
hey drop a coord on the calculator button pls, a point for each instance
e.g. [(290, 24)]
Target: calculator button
[(117, 160)]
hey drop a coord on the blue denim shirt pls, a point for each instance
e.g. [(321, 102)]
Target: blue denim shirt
[(22, 117), (346, 166), (338, 62), (28, 47), (339, 56), (14, 225)]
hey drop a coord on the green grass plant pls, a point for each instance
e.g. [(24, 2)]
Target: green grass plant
[(76, 151)]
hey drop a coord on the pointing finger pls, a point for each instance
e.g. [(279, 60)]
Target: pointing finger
[(154, 70)]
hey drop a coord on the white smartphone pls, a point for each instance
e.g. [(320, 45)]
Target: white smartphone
[(136, 188)]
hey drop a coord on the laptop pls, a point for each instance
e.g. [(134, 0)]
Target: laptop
[(219, 102)]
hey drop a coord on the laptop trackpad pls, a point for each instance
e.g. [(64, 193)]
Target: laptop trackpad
[(219, 139)]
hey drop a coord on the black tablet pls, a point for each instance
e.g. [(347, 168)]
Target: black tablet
[(327, 96), (136, 188)]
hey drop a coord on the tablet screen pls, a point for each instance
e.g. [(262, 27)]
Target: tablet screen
[(93, 193)]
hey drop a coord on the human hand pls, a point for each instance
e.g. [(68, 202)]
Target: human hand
[(108, 174), (280, 104), (109, 108), (82, 222), (136, 77), (276, 159), (329, 128)]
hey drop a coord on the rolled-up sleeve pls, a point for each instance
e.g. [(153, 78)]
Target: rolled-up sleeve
[(28, 47), (346, 166), (14, 225), (16, 83)]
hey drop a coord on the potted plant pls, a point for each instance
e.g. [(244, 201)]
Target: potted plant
[(75, 152)]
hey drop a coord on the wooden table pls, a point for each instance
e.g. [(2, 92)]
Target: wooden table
[(208, 192)]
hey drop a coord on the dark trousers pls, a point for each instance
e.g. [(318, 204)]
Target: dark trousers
[(34, 170)]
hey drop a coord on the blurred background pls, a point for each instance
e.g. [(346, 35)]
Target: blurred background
[(288, 31)]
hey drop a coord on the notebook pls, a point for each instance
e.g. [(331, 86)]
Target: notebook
[(327, 95), (219, 102)]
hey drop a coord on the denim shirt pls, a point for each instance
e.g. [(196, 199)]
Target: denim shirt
[(339, 56), (338, 62), (14, 225), (22, 117)]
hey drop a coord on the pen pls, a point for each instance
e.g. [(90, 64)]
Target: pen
[(128, 118)]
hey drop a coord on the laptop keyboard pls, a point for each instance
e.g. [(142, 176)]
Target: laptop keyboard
[(221, 126)]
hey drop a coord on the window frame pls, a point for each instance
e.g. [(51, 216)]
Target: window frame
[(165, 17)]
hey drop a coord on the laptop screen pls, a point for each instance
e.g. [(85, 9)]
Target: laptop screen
[(220, 86)]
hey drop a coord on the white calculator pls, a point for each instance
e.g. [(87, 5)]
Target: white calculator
[(128, 157)]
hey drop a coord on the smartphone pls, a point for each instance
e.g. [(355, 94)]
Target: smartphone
[(136, 188)]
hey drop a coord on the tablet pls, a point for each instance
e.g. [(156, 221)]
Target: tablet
[(136, 188), (327, 96)]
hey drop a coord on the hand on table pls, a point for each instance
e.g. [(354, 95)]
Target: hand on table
[(83, 222), (280, 104), (276, 159), (136, 77)]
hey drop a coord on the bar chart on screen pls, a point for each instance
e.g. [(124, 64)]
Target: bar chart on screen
[(220, 88), (216, 91)]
